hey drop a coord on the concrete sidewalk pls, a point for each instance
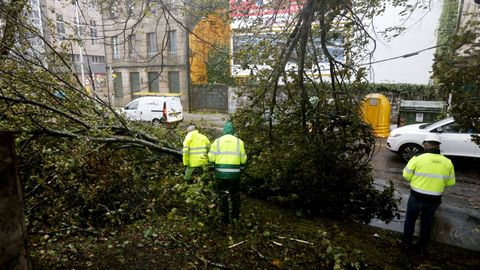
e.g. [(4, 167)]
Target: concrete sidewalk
[(215, 119)]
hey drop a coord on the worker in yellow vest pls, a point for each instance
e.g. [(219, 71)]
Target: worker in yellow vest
[(195, 148), (228, 155), (428, 174)]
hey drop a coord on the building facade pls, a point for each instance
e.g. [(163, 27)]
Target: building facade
[(146, 49), (469, 10), (75, 29), (254, 22)]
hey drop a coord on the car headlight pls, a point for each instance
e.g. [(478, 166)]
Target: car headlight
[(395, 134)]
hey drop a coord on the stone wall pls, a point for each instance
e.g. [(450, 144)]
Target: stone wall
[(209, 97), (13, 254)]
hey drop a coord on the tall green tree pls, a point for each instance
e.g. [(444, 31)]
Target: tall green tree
[(309, 145), (458, 71), (218, 65), (309, 123)]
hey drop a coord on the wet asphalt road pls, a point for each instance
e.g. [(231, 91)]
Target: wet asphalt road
[(389, 166), (457, 221)]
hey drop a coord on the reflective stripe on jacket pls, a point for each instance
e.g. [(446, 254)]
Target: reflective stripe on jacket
[(228, 154), (429, 173), (195, 147)]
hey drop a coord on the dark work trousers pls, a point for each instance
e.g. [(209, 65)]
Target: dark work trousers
[(232, 186), (192, 173), (426, 209)]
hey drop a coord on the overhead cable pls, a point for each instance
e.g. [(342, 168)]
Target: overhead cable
[(402, 56)]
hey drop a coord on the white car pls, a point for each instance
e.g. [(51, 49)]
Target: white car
[(155, 109), (407, 140)]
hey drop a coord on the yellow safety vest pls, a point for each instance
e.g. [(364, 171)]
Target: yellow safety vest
[(228, 154), (195, 147), (429, 173)]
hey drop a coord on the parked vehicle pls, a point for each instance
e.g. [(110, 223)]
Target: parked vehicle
[(160, 109), (407, 140)]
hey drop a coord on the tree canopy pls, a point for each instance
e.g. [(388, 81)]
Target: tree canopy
[(303, 57)]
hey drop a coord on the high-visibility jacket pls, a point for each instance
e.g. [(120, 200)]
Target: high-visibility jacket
[(195, 147), (228, 154), (429, 173)]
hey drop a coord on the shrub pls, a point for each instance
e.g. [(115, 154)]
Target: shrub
[(80, 184)]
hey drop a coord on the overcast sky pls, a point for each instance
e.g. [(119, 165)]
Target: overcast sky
[(421, 33)]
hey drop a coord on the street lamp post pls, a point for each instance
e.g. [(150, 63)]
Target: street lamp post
[(80, 47)]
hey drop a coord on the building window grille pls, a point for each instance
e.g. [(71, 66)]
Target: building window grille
[(172, 41), (117, 85), (93, 32), (131, 45), (134, 82), (60, 27), (151, 44), (173, 82), (151, 7), (153, 85), (115, 48)]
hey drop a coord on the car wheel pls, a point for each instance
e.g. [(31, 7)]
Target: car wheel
[(410, 150), (158, 122)]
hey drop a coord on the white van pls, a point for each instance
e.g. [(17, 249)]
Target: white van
[(157, 109)]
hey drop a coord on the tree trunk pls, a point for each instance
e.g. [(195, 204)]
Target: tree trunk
[(13, 252)]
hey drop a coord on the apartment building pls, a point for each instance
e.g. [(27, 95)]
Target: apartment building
[(467, 19), (469, 10), (253, 22), (74, 28), (146, 49)]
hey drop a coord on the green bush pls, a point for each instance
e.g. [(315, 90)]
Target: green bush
[(79, 184), (400, 91)]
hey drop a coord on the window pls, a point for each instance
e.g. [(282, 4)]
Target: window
[(151, 7), (93, 32), (172, 41), (60, 27), (173, 82), (334, 47), (92, 6), (115, 48), (134, 82), (131, 45), (132, 106), (117, 84), (153, 85), (34, 15), (77, 26), (130, 6), (450, 128), (113, 12), (151, 44), (98, 59), (337, 52)]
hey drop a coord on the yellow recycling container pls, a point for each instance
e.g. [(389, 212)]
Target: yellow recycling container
[(375, 110)]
